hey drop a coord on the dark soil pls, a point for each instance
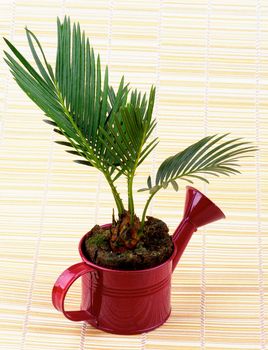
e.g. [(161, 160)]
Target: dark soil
[(154, 247)]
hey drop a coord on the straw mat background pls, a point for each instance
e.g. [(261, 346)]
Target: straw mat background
[(208, 60)]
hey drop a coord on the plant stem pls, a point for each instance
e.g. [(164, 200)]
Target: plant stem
[(146, 207), (117, 198), (130, 199), (131, 207)]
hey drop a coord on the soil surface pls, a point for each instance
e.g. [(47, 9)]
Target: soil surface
[(154, 247)]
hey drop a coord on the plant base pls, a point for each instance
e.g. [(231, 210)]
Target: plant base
[(154, 247)]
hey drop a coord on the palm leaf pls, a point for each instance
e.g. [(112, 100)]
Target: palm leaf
[(127, 132), (207, 156), (73, 98)]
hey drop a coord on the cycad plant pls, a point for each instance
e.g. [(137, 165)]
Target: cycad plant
[(111, 129)]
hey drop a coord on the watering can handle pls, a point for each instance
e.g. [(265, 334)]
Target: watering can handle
[(61, 287)]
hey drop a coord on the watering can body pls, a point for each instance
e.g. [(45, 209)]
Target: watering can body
[(131, 302), (128, 302), (118, 301)]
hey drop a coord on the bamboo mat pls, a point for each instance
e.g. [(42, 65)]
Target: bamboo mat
[(208, 60)]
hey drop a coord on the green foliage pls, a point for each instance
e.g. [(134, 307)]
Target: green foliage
[(110, 129), (101, 125), (74, 97), (129, 131), (207, 156)]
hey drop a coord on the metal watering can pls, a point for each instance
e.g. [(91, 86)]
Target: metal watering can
[(131, 302)]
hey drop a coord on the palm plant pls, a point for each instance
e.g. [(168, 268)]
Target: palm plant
[(110, 129)]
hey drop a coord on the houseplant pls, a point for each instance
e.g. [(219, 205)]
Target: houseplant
[(111, 130)]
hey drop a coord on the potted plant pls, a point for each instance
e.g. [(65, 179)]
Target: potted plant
[(127, 265)]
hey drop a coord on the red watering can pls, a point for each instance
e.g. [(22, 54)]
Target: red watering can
[(131, 302)]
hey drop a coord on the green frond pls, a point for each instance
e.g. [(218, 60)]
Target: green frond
[(74, 97), (129, 130), (207, 156)]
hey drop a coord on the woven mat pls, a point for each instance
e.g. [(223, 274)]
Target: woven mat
[(208, 60)]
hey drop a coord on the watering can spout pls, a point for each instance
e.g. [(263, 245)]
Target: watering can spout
[(198, 211)]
